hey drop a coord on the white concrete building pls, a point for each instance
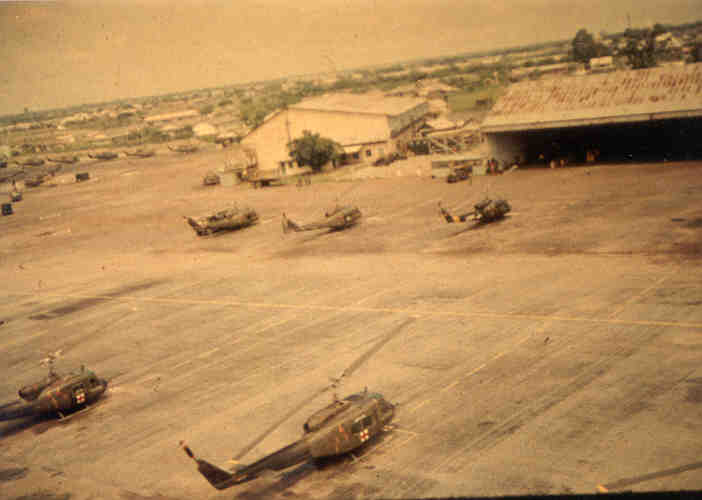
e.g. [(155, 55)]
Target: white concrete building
[(366, 126)]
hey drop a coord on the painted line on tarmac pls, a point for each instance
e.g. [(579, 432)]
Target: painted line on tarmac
[(251, 336), (384, 291), (415, 408), (639, 295), (472, 372), (390, 310), (406, 211), (394, 431)]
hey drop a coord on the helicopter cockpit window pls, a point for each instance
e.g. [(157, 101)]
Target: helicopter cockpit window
[(385, 407), (357, 426), (361, 423)]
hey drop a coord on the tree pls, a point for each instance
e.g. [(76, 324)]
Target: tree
[(585, 47), (640, 48), (696, 53), (658, 29), (313, 150)]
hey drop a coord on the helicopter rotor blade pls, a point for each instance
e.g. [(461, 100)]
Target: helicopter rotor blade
[(375, 348), (346, 373), (51, 357), (279, 422)]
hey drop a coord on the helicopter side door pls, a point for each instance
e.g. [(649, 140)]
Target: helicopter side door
[(363, 427), (79, 394)]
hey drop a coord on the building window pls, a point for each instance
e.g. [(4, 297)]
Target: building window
[(369, 152)]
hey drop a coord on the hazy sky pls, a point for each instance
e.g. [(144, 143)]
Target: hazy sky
[(59, 53)]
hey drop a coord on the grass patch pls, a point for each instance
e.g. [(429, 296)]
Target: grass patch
[(480, 99)]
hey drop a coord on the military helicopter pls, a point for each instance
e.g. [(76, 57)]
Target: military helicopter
[(64, 159), (184, 148), (15, 195), (140, 153), (57, 394), (339, 428), (341, 217), (485, 211), (211, 179), (104, 155), (224, 220), (31, 162)]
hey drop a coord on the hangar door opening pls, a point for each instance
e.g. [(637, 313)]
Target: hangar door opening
[(651, 141)]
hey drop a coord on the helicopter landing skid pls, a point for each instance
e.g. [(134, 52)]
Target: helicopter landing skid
[(65, 418)]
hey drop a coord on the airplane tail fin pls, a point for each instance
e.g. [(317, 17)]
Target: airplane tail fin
[(217, 477)]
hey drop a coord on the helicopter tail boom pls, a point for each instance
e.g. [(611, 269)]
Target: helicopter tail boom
[(288, 456), (453, 218), (21, 411), (289, 225), (217, 477)]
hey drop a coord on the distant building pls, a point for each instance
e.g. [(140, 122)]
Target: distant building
[(179, 115), (204, 130), (429, 89), (366, 126), (543, 70), (602, 63), (668, 41)]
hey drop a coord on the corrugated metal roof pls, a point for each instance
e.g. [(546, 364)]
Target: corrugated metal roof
[(635, 95), (352, 149), (357, 103)]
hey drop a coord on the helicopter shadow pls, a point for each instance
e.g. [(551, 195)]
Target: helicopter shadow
[(38, 424), (477, 226), (324, 232), (267, 486)]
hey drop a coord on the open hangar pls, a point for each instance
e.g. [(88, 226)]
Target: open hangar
[(638, 115)]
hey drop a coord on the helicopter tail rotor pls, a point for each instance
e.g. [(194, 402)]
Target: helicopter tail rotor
[(217, 477), (446, 215), (49, 361), (289, 225)]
